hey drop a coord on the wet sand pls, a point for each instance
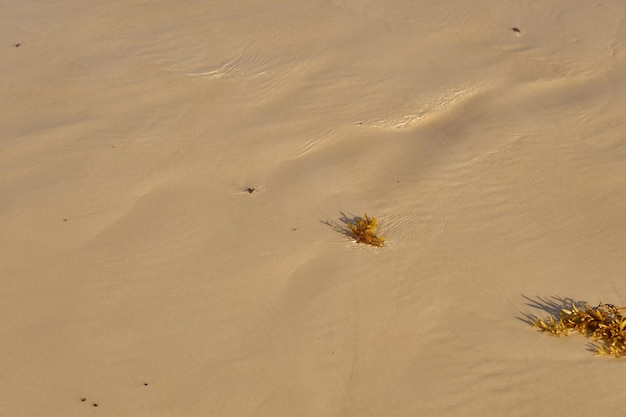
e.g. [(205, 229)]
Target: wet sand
[(140, 277)]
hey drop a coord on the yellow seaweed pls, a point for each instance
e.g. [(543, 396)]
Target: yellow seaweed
[(604, 324), (362, 230)]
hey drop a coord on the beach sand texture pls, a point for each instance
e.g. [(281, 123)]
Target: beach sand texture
[(139, 278)]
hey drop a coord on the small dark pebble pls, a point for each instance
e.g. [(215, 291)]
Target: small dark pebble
[(83, 399), (95, 404), (516, 30), (17, 45), (145, 384)]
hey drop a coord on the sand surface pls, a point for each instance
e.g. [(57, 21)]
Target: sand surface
[(138, 275)]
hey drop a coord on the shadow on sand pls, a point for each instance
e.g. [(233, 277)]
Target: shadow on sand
[(551, 305), (343, 228)]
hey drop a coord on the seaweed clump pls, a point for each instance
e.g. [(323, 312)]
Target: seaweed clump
[(604, 324), (362, 230)]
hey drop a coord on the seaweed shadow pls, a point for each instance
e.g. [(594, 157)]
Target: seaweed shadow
[(551, 305), (344, 229)]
